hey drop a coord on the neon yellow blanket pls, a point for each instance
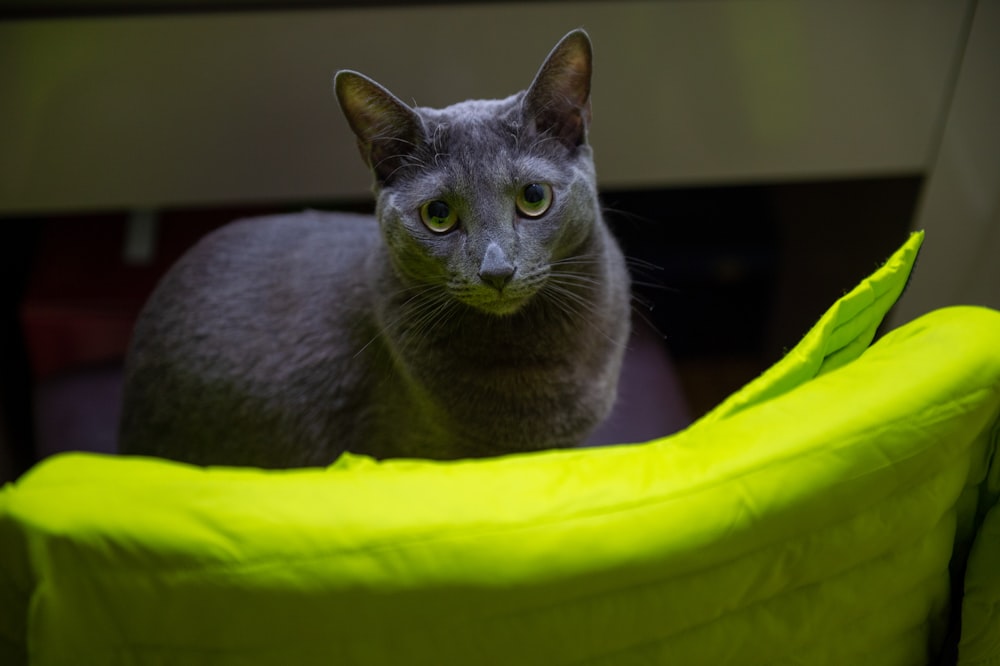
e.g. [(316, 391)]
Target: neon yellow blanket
[(810, 519)]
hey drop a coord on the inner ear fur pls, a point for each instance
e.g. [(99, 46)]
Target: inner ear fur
[(387, 130)]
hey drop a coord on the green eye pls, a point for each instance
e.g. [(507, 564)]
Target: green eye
[(438, 216), (534, 199)]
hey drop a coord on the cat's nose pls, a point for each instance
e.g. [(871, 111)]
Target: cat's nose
[(496, 270)]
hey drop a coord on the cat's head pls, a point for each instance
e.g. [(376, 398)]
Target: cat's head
[(484, 197)]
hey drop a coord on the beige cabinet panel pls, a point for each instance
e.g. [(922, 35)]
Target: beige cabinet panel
[(202, 108)]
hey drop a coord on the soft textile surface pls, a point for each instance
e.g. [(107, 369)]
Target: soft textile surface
[(810, 519)]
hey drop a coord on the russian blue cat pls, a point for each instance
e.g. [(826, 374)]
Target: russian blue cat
[(484, 310)]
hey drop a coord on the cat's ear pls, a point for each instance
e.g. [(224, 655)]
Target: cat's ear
[(558, 101), (388, 130)]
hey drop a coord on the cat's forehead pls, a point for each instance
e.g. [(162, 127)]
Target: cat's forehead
[(473, 123), (473, 111)]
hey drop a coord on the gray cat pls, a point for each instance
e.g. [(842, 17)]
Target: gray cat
[(485, 311)]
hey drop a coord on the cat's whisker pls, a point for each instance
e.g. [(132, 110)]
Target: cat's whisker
[(642, 264), (431, 317), (416, 289), (561, 278), (420, 290), (589, 282), (576, 298), (552, 296), (366, 346), (586, 281), (576, 277), (655, 285), (573, 305), (578, 261), (579, 304), (644, 302), (425, 311), (569, 291), (628, 215), (642, 275), (649, 322), (639, 264), (431, 313)]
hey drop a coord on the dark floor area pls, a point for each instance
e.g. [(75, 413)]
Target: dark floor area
[(726, 279)]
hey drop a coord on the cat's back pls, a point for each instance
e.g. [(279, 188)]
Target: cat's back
[(255, 273), (259, 312)]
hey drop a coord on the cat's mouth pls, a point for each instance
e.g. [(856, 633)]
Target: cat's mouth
[(504, 305), (496, 302)]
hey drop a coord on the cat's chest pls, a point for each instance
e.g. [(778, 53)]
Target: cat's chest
[(499, 369)]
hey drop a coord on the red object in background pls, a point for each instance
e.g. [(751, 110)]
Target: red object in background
[(82, 299)]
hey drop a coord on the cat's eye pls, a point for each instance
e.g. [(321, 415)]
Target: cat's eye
[(438, 216), (534, 199)]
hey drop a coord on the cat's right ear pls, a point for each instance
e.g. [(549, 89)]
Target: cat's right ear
[(388, 131), (558, 101)]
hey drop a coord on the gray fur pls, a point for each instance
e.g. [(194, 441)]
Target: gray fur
[(284, 341)]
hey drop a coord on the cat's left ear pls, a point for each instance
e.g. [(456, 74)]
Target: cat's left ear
[(388, 131), (558, 101)]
